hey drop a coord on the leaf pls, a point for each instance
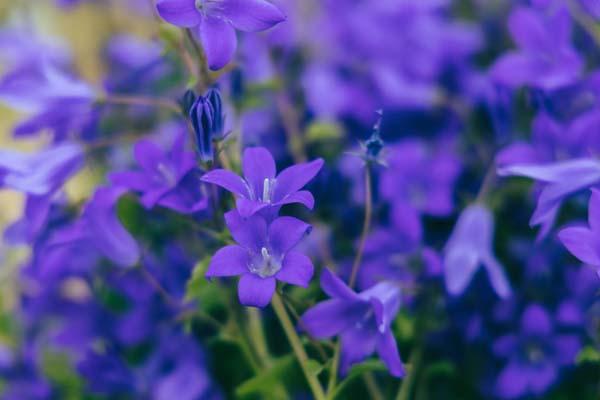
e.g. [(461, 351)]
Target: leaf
[(269, 378), (323, 130), (314, 367), (588, 355), (207, 294), (356, 371)]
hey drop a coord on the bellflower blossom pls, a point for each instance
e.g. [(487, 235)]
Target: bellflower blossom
[(584, 242), (534, 355), (469, 247), (215, 22), (261, 188), (167, 179), (263, 255), (362, 320), (560, 179), (206, 114), (546, 58)]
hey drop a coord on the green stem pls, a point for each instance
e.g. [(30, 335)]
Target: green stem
[(122, 99), (257, 336), (366, 226), (407, 383), (296, 344)]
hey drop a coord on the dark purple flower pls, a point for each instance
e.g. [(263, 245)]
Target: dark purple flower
[(99, 228), (560, 179), (168, 179), (261, 188), (534, 355), (208, 121), (584, 242), (215, 22), (546, 58), (362, 320), (470, 247), (263, 255)]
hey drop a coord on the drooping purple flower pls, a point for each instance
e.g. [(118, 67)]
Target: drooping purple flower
[(362, 320), (99, 228), (469, 248), (584, 242), (560, 179), (168, 179), (546, 58), (263, 255), (261, 188), (215, 22), (534, 355)]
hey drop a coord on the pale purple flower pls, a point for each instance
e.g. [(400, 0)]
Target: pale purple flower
[(362, 320), (584, 242), (264, 254), (215, 22), (261, 188), (471, 246)]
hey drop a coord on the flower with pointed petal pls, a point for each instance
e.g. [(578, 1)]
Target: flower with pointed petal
[(263, 255), (469, 247), (362, 320), (215, 22), (261, 188)]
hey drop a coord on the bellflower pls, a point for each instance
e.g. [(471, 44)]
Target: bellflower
[(560, 179), (208, 121), (215, 22), (99, 227), (263, 255), (584, 242), (362, 320), (534, 355), (546, 58), (469, 247), (167, 179), (261, 189)]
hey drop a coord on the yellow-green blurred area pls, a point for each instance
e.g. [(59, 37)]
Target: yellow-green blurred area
[(83, 29)]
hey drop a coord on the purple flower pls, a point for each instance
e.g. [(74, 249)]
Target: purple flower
[(534, 355), (208, 121), (215, 22), (584, 242), (545, 58), (260, 188), (362, 320), (168, 179), (469, 247), (263, 255), (560, 179), (99, 228)]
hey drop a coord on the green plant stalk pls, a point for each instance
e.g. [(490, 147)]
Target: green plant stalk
[(288, 327), (409, 380)]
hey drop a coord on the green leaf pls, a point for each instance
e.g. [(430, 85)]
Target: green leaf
[(588, 354), (315, 367), (358, 370), (269, 378), (207, 294), (323, 131)]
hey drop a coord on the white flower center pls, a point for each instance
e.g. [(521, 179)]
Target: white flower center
[(267, 190), (265, 265), (167, 174)]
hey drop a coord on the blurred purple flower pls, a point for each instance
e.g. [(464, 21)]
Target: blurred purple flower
[(534, 355), (560, 179), (215, 22), (167, 179), (469, 247), (263, 255), (361, 320), (546, 58), (584, 242), (260, 189)]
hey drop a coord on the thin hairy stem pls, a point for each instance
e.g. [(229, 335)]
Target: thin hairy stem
[(366, 226)]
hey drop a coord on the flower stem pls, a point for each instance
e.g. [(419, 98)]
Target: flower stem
[(257, 336), (301, 355), (366, 226), (141, 101), (408, 381), (583, 19)]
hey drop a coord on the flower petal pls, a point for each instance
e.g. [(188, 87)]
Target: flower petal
[(254, 291), (357, 344), (227, 180), (148, 155), (388, 352), (258, 165), (460, 264), (251, 15), (294, 178), (248, 208), (582, 243), (228, 261), (296, 269), (219, 41), (179, 12), (335, 287), (285, 233), (594, 210), (303, 197), (249, 232), (331, 317), (497, 276)]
